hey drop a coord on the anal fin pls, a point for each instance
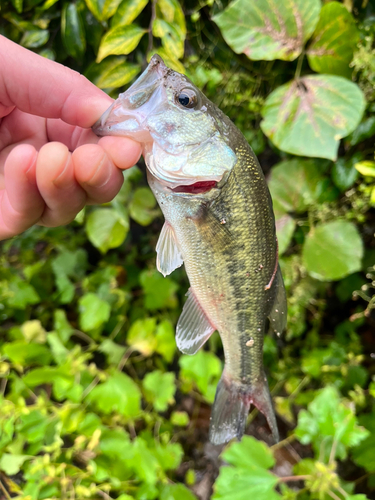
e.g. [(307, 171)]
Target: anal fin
[(193, 327), (169, 256)]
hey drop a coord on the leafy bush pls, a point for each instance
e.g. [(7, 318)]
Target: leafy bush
[(95, 402)]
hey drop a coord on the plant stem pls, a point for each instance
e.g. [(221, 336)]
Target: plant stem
[(287, 479), (299, 65)]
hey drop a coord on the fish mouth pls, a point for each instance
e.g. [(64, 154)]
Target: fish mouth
[(199, 187)]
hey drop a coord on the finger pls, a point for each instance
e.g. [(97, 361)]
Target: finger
[(63, 196), (96, 173), (48, 89), (123, 151), (20, 202), (70, 135)]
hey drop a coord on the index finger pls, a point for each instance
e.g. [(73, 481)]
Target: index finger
[(45, 88)]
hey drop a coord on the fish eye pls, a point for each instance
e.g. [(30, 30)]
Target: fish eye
[(187, 98)]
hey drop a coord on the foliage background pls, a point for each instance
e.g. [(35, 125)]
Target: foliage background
[(95, 402)]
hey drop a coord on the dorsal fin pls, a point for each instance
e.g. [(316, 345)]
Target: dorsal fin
[(169, 256), (193, 327)]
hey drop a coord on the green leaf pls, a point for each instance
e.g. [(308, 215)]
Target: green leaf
[(333, 42), (309, 116), (112, 72), (141, 336), (159, 291), (18, 5), (106, 229), (296, 184), (72, 31), (333, 250), (165, 340), (11, 464), (180, 418), (249, 453), (203, 370), (249, 462), (366, 168), (34, 38), (329, 420), (344, 173), (26, 353), (285, 226), (159, 389), (266, 30), (114, 352), (169, 59), (109, 8), (142, 206), (171, 37), (21, 294), (365, 130), (127, 12), (93, 312), (96, 8), (363, 454), (117, 394), (120, 40), (176, 492)]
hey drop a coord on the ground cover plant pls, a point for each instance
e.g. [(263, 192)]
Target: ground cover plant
[(95, 401)]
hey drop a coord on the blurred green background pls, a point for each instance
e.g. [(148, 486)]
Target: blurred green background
[(95, 402)]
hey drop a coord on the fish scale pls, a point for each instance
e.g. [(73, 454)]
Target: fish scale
[(219, 222)]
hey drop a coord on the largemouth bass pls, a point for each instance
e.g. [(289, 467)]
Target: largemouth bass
[(219, 222)]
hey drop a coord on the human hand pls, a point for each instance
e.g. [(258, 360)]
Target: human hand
[(51, 163)]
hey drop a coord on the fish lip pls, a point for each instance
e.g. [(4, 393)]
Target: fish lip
[(121, 118)]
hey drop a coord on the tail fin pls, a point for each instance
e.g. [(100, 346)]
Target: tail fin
[(231, 408)]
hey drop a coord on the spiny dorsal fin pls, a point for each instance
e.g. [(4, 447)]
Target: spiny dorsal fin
[(193, 327), (169, 256)]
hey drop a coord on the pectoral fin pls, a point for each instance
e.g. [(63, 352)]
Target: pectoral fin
[(278, 315), (169, 256), (193, 327)]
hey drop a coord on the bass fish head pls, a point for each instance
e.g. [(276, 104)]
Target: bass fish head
[(185, 137)]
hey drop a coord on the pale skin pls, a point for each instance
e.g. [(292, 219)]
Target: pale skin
[(51, 163)]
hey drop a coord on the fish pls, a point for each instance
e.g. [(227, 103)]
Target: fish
[(219, 223)]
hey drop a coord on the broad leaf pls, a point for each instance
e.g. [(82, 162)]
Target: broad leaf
[(285, 226), (366, 168), (72, 31), (159, 389), (142, 206), (93, 312), (333, 250), (106, 229), (120, 41), (127, 12), (296, 184), (117, 394), (267, 30), (96, 8), (159, 292), (309, 116), (110, 8), (171, 38), (141, 336), (112, 72), (329, 420), (203, 370), (34, 38), (249, 461), (334, 41)]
